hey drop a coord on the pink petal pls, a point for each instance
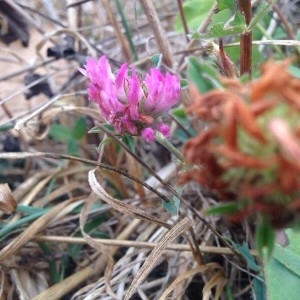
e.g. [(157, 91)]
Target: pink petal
[(163, 92), (94, 92), (131, 128), (129, 103), (134, 96), (164, 129), (148, 134), (120, 83)]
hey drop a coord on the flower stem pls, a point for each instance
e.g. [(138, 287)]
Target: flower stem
[(244, 7), (160, 138)]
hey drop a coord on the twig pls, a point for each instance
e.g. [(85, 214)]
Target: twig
[(202, 28), (183, 19), (283, 19), (27, 69), (19, 155), (162, 41), (24, 120), (119, 35), (136, 244), (270, 42)]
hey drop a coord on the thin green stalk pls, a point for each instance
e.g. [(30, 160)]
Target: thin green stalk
[(127, 29), (266, 34), (8, 229), (259, 15), (160, 138)]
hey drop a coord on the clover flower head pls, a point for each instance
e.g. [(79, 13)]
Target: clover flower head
[(250, 147), (130, 103)]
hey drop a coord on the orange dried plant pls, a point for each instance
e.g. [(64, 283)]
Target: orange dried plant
[(249, 151)]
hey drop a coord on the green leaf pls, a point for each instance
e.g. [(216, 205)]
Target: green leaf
[(259, 288), (278, 276), (295, 71), (65, 265), (224, 4), (104, 142), (265, 238), (179, 112), (294, 240), (283, 270), (258, 283), (156, 60), (202, 75), (261, 12), (224, 209), (54, 273), (129, 141), (8, 229), (182, 135), (74, 250), (27, 209), (173, 206), (95, 223), (220, 30), (289, 259), (73, 147), (6, 127), (80, 128), (184, 83), (245, 251), (59, 132), (236, 26), (97, 129), (238, 21), (195, 12), (229, 294)]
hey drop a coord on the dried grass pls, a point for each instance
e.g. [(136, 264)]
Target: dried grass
[(76, 235)]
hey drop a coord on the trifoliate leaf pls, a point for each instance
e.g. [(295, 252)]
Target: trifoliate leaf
[(73, 147), (60, 132), (195, 12), (173, 206), (80, 128), (224, 4), (219, 30), (129, 141)]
